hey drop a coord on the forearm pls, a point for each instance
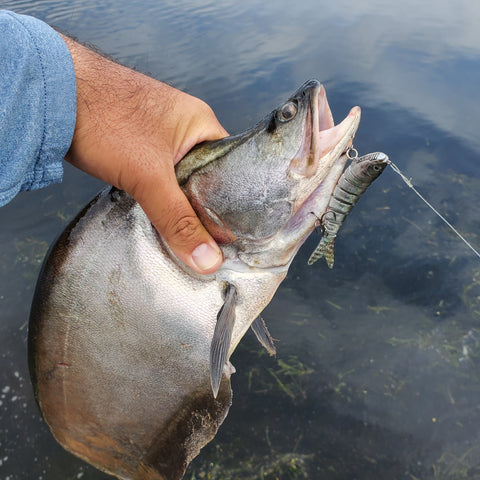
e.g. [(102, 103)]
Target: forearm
[(112, 101)]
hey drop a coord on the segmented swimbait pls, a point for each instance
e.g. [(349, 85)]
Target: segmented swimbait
[(353, 182)]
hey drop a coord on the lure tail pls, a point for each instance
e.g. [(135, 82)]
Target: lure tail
[(325, 249)]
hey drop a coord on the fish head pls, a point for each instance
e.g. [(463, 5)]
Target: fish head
[(256, 191)]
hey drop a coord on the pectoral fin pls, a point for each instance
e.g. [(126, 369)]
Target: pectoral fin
[(221, 337), (263, 335)]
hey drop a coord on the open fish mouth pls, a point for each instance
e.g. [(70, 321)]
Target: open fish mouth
[(319, 163), (328, 139), (321, 158)]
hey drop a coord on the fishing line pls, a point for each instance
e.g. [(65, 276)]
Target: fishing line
[(409, 183)]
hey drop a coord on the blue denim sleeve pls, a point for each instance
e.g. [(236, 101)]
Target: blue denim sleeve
[(37, 104)]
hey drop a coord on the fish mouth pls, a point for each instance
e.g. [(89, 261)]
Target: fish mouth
[(318, 165), (322, 154), (328, 141)]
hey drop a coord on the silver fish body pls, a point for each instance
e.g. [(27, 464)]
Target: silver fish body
[(357, 177), (126, 343)]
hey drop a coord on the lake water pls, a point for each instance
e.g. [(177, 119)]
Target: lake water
[(378, 364)]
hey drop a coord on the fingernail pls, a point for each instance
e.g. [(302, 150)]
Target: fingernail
[(205, 256)]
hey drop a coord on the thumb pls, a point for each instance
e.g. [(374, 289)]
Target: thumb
[(175, 220)]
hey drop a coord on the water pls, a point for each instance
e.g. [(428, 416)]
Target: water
[(378, 363), (409, 183)]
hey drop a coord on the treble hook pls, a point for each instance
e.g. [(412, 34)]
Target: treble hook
[(318, 223)]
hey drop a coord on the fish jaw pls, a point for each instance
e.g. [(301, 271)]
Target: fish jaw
[(326, 147), (319, 163)]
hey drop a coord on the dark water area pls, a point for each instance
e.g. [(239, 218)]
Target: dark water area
[(377, 373)]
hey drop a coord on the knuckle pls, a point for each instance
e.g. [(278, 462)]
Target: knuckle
[(185, 229), (204, 110), (207, 109)]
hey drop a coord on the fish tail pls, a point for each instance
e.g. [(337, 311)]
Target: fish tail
[(326, 249)]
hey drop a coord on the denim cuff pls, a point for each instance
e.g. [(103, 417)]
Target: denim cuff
[(37, 104)]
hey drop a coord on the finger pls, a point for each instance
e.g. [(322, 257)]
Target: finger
[(175, 220)]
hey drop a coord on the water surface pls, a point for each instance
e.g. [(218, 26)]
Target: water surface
[(378, 364)]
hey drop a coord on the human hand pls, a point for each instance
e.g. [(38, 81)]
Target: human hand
[(130, 132)]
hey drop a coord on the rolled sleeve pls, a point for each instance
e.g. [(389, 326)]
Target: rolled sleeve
[(37, 104)]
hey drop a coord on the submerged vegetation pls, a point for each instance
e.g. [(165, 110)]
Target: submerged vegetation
[(291, 378), (459, 467), (471, 294), (275, 466)]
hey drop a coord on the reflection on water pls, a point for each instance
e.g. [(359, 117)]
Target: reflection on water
[(378, 364)]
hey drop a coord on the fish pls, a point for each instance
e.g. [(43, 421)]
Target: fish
[(353, 183), (129, 349)]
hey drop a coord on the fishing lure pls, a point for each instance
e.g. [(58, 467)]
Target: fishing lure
[(354, 181)]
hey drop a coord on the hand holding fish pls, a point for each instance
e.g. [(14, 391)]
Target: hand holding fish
[(131, 130)]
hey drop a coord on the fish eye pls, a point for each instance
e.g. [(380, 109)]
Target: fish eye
[(287, 112), (375, 169)]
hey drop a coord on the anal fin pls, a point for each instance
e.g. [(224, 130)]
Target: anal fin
[(263, 335)]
